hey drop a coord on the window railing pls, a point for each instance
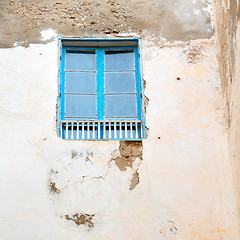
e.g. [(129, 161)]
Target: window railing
[(101, 130)]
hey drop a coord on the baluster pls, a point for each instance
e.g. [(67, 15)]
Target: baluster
[(77, 137), (93, 133), (67, 130), (136, 129), (141, 132), (99, 130), (109, 130), (83, 131), (71, 130), (88, 130), (131, 131), (126, 135), (115, 129), (120, 130), (104, 130), (61, 130)]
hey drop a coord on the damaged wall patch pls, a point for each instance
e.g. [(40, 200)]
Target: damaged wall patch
[(82, 219)]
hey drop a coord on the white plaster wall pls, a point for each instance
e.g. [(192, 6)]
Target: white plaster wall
[(185, 188)]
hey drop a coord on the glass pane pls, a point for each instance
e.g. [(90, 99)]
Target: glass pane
[(119, 60), (80, 106), (119, 82), (80, 61), (123, 105), (80, 82)]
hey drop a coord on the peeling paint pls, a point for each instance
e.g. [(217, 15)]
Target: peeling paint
[(193, 53), (51, 184), (88, 155), (48, 35), (134, 181), (129, 151), (82, 219), (74, 154), (135, 189), (52, 188)]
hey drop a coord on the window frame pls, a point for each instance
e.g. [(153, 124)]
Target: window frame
[(101, 46)]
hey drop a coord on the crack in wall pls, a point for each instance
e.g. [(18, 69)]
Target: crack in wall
[(99, 177), (169, 230), (130, 151)]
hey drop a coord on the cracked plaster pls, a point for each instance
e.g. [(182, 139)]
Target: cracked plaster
[(176, 173)]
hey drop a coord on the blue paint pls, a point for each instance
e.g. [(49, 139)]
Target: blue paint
[(138, 85), (87, 59), (142, 89), (59, 85), (63, 85), (98, 85), (100, 68), (101, 78)]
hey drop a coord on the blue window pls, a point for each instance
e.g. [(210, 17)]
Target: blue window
[(100, 90)]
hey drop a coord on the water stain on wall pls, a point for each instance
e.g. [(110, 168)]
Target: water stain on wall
[(23, 20)]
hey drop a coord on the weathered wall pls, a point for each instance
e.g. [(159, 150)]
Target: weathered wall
[(227, 25), (175, 185), (22, 20)]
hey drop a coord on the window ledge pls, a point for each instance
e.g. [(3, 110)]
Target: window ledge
[(101, 130)]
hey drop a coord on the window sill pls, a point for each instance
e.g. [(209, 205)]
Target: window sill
[(99, 130)]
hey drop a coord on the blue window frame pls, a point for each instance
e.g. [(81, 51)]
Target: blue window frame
[(100, 90)]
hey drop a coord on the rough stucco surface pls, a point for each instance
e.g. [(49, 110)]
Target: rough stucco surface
[(22, 20), (227, 24), (176, 185)]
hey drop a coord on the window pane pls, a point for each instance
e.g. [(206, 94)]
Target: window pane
[(119, 82), (80, 106), (80, 61), (119, 60), (123, 105), (80, 82)]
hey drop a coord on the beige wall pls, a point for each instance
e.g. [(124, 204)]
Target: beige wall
[(177, 184), (227, 25), (175, 187)]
